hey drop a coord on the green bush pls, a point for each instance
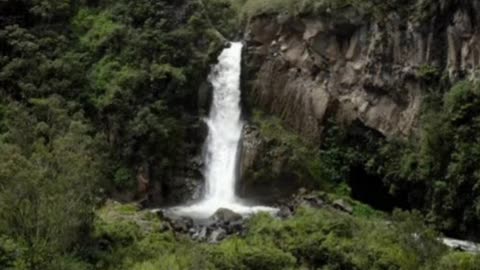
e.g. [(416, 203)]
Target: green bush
[(431, 171), (48, 179), (172, 262), (375, 8), (241, 254), (96, 28), (9, 252), (460, 261)]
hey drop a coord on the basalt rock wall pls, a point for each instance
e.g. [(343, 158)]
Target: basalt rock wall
[(354, 66)]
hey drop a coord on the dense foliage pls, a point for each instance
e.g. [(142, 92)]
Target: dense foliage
[(416, 9), (434, 171), (92, 91), (312, 239), (127, 66), (442, 164)]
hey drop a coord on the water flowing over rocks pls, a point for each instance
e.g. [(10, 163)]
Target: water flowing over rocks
[(224, 223), (222, 145), (461, 245), (356, 67)]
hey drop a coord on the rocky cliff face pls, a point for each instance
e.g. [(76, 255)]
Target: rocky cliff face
[(358, 67), (374, 71), (270, 169)]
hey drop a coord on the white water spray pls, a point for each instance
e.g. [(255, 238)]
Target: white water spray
[(222, 145)]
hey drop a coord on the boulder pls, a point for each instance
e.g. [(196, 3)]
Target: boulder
[(226, 216), (181, 224), (217, 236), (236, 227), (200, 235), (284, 212), (343, 206)]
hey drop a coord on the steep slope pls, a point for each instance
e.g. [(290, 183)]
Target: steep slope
[(384, 93), (357, 66)]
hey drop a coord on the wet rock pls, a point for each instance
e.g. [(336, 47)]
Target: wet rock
[(205, 93), (343, 206), (284, 212), (236, 227), (252, 144), (217, 235), (183, 188), (461, 245), (221, 225), (313, 201), (267, 171), (226, 216), (305, 199), (200, 235), (182, 224)]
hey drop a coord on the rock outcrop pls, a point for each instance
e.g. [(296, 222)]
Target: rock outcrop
[(269, 169), (357, 67)]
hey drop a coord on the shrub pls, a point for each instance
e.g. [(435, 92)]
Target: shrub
[(95, 28), (460, 261), (238, 254)]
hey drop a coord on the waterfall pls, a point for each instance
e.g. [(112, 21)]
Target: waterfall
[(222, 144), (225, 127)]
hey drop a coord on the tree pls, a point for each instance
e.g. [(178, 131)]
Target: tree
[(47, 182)]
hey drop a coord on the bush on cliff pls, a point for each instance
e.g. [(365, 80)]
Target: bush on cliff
[(433, 171), (417, 10), (442, 164), (329, 7)]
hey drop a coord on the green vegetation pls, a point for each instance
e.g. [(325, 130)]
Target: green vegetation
[(428, 73), (130, 68), (444, 162), (416, 9), (287, 157), (48, 175), (435, 172), (93, 92), (90, 92), (131, 239), (326, 167)]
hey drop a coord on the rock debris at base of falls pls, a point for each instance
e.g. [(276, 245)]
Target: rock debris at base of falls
[(225, 223)]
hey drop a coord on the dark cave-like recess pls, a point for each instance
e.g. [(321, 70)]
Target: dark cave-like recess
[(370, 190), (366, 186)]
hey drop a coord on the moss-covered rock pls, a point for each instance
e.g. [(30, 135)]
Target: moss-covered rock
[(275, 161)]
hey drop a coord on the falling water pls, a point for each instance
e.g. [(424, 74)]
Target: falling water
[(225, 127), (222, 144)]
